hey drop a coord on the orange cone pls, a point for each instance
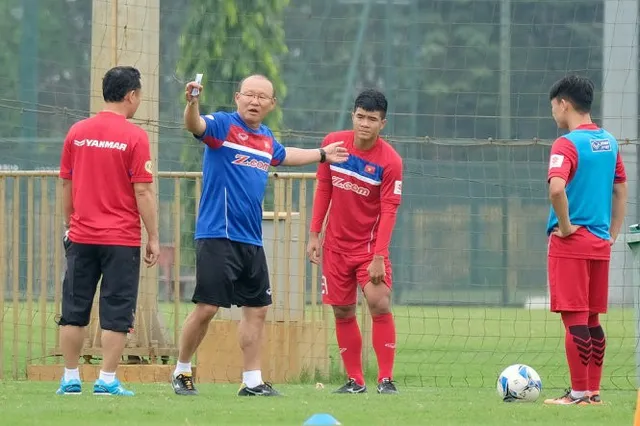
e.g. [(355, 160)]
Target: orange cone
[(636, 421)]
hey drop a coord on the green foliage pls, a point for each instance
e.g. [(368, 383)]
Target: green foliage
[(64, 62), (438, 61), (60, 54), (548, 41), (10, 35), (458, 68), (227, 40)]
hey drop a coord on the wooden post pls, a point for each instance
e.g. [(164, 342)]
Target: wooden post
[(127, 33)]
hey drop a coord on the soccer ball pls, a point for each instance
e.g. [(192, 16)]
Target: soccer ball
[(519, 382)]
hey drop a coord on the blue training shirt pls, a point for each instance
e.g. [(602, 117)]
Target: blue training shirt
[(586, 158), (235, 171)]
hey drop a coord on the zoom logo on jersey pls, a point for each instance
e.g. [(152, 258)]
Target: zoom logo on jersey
[(101, 144), (600, 145), (339, 182), (245, 160)]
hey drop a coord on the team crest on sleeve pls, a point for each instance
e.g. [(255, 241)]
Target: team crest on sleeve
[(148, 166), (397, 187), (556, 161), (600, 145)]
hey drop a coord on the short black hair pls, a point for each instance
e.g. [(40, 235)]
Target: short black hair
[(119, 81), (273, 86), (371, 100), (575, 89)]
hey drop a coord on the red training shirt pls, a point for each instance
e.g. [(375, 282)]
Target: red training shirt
[(364, 193), (563, 164), (104, 156)]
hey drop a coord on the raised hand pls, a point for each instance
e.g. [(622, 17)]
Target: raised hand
[(336, 153)]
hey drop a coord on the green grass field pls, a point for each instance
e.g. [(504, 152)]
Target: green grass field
[(447, 363)]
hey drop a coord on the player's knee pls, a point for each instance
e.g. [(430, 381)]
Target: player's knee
[(379, 305), (204, 313), (378, 298), (344, 312), (256, 315)]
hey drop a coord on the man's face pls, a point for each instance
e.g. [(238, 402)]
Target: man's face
[(255, 100), (559, 111), (367, 124)]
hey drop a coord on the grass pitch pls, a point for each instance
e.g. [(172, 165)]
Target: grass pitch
[(447, 363), (155, 405)]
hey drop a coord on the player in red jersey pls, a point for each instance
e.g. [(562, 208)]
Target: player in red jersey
[(588, 193), (107, 185), (364, 194)]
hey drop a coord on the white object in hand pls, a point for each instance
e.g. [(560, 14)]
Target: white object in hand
[(194, 91)]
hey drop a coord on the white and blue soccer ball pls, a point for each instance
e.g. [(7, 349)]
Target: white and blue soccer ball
[(519, 382)]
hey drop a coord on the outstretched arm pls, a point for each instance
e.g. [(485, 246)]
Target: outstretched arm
[(301, 157), (333, 153)]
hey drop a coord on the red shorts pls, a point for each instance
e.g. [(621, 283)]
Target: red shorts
[(578, 285), (342, 274)]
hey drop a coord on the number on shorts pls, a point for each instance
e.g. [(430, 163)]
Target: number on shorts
[(325, 289)]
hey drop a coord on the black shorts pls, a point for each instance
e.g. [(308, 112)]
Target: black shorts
[(119, 267), (231, 273)]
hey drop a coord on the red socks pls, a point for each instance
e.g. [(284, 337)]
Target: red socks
[(598, 344), (383, 333), (578, 348), (350, 345), (384, 344)]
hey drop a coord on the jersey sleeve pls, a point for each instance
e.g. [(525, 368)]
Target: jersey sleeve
[(322, 198), (390, 198), (279, 153), (141, 167), (217, 127), (563, 160), (621, 175), (66, 159), (391, 187), (324, 172)]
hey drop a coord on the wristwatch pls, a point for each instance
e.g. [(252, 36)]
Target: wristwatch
[(323, 155)]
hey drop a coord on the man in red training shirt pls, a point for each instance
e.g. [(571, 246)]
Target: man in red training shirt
[(107, 185), (364, 194)]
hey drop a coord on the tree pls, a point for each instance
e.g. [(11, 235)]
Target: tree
[(10, 33), (60, 54), (550, 40), (227, 40)]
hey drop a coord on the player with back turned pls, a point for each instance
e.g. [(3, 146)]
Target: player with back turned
[(588, 192), (107, 183), (362, 197)]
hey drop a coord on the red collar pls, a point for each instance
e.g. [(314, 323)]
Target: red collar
[(590, 126)]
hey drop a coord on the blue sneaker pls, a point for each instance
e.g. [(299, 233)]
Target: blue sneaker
[(69, 387), (113, 388)]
